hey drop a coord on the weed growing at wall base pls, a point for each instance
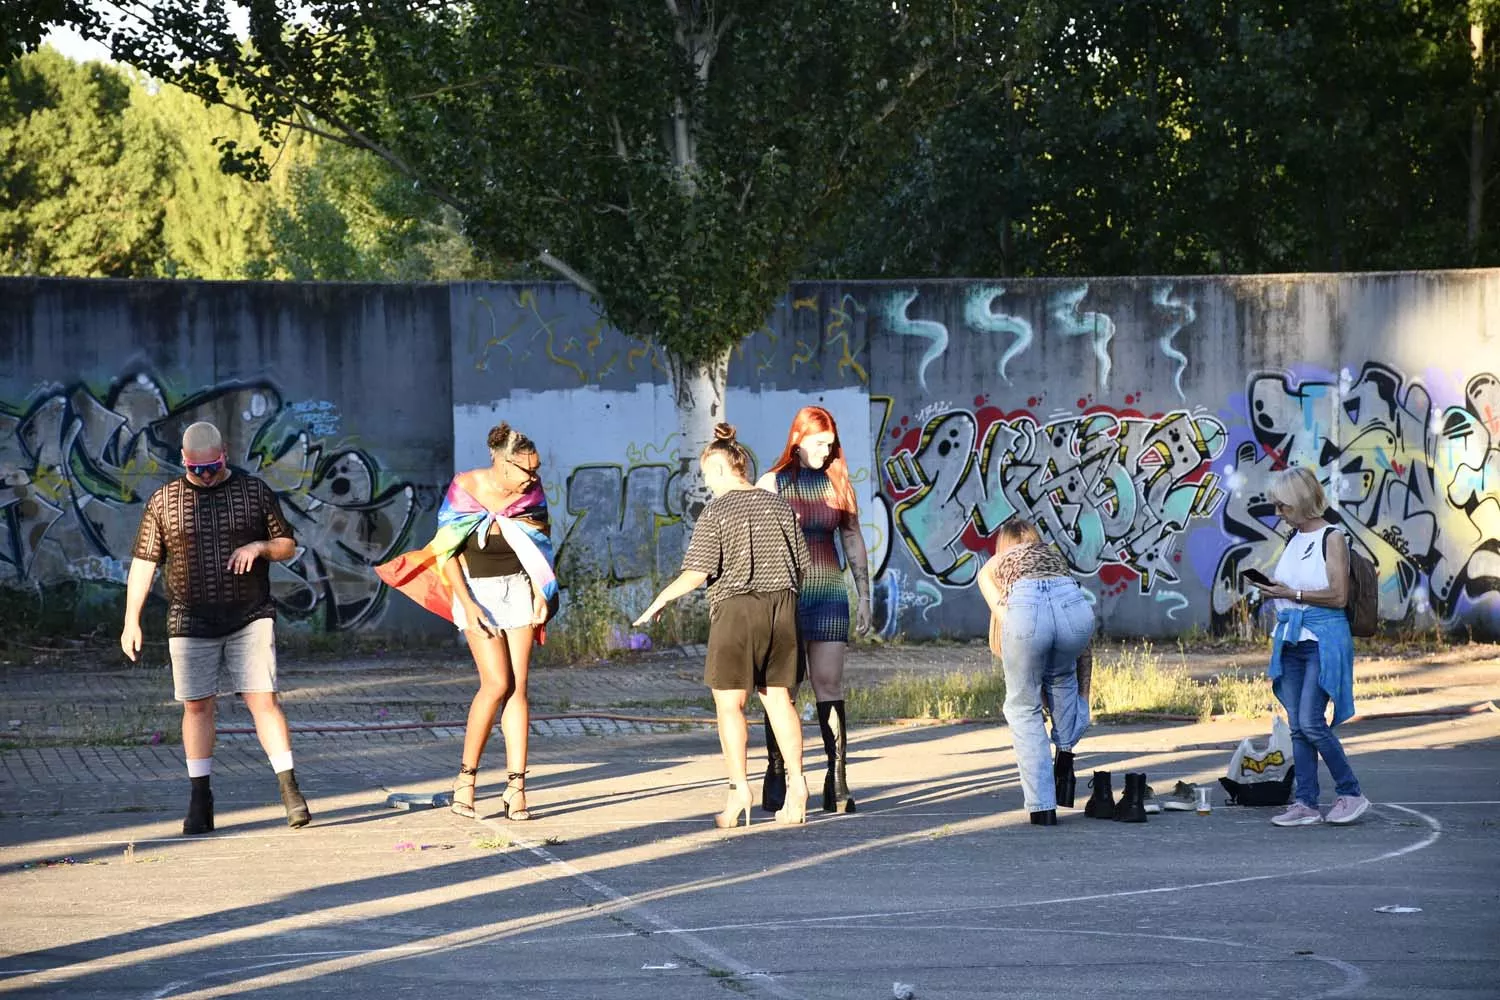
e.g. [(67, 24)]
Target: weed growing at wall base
[(1134, 683), (594, 621)]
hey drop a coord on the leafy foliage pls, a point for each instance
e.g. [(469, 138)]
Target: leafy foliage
[(675, 159), (83, 170), (1198, 136)]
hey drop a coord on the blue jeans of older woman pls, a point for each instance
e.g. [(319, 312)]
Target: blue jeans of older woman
[(1047, 625), (1306, 705)]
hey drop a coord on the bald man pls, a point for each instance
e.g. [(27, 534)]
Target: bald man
[(218, 531)]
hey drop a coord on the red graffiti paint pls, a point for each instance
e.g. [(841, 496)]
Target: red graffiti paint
[(1116, 575), (1277, 456), (972, 540)]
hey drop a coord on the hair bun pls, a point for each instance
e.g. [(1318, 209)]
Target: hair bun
[(724, 432)]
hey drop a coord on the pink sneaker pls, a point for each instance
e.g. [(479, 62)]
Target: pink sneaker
[(1298, 815), (1347, 809)]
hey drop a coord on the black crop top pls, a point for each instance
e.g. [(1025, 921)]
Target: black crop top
[(497, 558)]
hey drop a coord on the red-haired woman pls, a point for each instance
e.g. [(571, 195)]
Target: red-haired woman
[(813, 477)]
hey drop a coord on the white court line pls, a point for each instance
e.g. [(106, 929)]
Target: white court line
[(1435, 831), (1471, 802), (741, 970), (1354, 977), (660, 924)]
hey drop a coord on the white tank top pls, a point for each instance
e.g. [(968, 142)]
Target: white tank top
[(1302, 567)]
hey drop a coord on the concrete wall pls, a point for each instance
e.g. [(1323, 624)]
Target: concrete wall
[(1134, 419), (337, 394)]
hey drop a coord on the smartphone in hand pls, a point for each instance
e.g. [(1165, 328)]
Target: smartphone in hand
[(1256, 578)]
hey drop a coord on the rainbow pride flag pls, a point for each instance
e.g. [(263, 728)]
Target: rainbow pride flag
[(418, 574)]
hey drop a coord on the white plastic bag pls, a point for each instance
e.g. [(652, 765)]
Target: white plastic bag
[(1262, 775)]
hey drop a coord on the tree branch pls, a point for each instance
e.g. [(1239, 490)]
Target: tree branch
[(584, 284), (614, 121), (352, 136)]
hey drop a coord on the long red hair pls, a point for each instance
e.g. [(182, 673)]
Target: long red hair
[(816, 420)]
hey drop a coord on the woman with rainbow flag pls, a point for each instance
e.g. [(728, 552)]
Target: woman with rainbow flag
[(489, 570)]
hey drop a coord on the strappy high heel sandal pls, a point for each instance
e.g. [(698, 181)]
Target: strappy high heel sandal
[(795, 810), (464, 809), (739, 801), (515, 784)]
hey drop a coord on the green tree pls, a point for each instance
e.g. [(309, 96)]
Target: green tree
[(216, 225), (348, 216), (84, 171), (674, 160), (1180, 136)]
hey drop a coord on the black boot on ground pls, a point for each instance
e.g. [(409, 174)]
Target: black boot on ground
[(291, 797), (1132, 807), (1101, 805), (773, 789), (1063, 778), (200, 814), (831, 721), (1046, 817)]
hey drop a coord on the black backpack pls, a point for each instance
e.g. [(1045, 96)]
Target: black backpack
[(1363, 606)]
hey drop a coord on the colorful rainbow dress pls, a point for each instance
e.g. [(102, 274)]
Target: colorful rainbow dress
[(823, 604)]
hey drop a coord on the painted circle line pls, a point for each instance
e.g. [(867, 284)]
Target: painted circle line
[(1354, 977)]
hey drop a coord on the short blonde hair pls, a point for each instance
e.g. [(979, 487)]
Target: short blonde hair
[(1299, 489), (202, 436), (1018, 532)]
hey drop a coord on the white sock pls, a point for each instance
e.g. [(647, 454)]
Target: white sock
[(200, 767), (281, 761)]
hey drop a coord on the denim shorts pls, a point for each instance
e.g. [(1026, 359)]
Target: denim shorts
[(506, 599), (247, 656)]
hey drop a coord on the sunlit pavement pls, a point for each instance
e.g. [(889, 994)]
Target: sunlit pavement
[(621, 887)]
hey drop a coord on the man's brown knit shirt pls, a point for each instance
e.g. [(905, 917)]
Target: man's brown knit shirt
[(193, 530)]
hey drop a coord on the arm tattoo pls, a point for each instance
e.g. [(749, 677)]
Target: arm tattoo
[(858, 559)]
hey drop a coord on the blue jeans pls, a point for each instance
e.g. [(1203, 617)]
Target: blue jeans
[(1306, 705), (1047, 625)]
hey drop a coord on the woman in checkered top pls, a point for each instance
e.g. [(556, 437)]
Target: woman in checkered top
[(749, 549)]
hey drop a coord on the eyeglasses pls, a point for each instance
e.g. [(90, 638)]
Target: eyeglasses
[(532, 475), (204, 471)]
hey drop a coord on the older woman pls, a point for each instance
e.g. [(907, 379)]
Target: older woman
[(1312, 652), (489, 571), (1040, 625)]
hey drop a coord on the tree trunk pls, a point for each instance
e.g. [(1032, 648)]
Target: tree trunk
[(698, 390), (1476, 139)]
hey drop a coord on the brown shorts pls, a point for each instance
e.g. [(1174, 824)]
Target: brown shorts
[(753, 643)]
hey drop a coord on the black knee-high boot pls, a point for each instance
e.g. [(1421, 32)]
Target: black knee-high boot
[(773, 789), (832, 723)]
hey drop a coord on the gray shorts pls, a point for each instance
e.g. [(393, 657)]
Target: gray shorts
[(507, 600), (248, 655)]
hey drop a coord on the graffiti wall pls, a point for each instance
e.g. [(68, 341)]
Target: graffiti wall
[(1135, 421), (91, 424), (600, 408)]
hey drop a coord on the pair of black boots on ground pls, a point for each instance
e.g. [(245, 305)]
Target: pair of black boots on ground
[(1132, 805), (832, 723), (1101, 805), (200, 814)]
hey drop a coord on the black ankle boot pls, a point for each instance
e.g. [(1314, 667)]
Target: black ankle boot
[(1063, 778), (1046, 817), (1132, 807), (291, 797), (1101, 805), (200, 814), (831, 721), (773, 789)]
